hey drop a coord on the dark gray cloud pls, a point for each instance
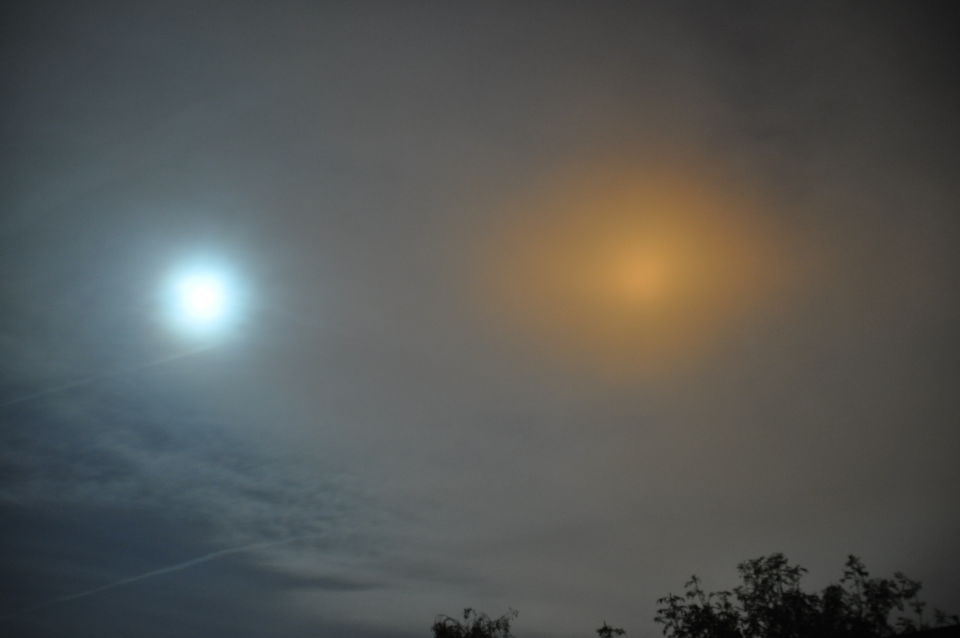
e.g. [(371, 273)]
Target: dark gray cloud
[(354, 162)]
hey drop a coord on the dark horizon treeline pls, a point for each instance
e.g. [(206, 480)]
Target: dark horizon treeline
[(769, 603)]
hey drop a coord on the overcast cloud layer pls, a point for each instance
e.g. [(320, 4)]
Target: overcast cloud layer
[(413, 446)]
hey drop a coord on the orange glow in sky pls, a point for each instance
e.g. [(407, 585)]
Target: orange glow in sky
[(630, 268)]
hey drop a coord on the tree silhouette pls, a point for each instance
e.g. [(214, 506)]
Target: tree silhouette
[(480, 625), (474, 625), (770, 604), (606, 631)]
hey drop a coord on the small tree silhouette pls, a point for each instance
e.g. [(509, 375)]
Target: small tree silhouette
[(474, 625), (606, 631)]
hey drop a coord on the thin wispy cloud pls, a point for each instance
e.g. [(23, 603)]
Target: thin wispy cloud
[(156, 572)]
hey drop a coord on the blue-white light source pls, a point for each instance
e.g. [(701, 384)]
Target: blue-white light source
[(202, 298), (203, 301)]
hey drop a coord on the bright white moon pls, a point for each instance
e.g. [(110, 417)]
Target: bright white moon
[(202, 301), (202, 298)]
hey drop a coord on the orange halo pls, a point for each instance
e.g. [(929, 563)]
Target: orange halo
[(629, 267)]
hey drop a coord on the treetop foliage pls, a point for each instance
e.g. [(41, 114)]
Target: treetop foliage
[(474, 625), (770, 604), (606, 631)]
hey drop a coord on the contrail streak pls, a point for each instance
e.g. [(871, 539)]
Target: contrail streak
[(99, 377), (157, 572)]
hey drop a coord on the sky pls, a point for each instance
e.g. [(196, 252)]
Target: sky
[(540, 305)]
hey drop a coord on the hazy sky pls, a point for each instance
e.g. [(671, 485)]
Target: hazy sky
[(548, 305)]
